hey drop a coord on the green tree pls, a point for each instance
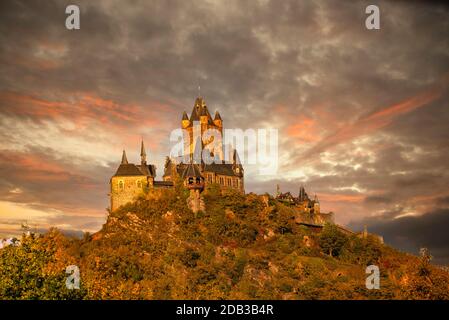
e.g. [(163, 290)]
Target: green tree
[(332, 240)]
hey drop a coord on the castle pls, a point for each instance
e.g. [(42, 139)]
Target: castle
[(308, 209), (130, 180)]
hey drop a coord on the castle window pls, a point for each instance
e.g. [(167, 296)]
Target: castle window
[(198, 180), (221, 181), (121, 185), (190, 180), (229, 182)]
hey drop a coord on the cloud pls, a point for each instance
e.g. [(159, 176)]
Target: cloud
[(410, 233), (362, 116), (373, 122)]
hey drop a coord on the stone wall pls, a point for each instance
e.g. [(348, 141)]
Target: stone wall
[(126, 189), (223, 180)]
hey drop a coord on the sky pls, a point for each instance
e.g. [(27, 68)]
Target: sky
[(362, 115)]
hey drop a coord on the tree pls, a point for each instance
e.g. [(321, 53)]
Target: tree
[(332, 240)]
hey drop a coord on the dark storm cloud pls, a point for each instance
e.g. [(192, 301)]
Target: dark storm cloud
[(378, 199), (444, 201), (362, 115), (411, 233)]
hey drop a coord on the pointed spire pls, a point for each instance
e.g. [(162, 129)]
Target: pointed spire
[(197, 109), (302, 193), (124, 159), (185, 116), (217, 116), (143, 154)]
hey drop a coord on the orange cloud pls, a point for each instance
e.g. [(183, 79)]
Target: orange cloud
[(353, 198), (304, 129), (85, 107), (37, 168), (127, 121), (375, 121)]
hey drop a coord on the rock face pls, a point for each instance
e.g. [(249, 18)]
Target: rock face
[(195, 201), (307, 241)]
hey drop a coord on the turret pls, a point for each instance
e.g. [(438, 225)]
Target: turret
[(185, 120), (365, 232), (143, 154), (316, 205), (192, 177), (217, 120), (302, 193), (197, 109), (124, 159), (236, 166)]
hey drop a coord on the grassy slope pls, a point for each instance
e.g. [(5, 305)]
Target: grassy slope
[(241, 248)]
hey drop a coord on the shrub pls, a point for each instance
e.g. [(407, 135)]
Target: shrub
[(332, 240)]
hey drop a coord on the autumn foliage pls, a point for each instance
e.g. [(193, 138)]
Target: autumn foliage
[(242, 247)]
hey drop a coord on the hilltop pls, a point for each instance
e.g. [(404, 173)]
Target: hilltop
[(242, 247)]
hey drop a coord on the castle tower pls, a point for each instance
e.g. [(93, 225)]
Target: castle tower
[(126, 184), (210, 162), (316, 205), (218, 121), (200, 121), (365, 232), (185, 122), (194, 181), (302, 194), (236, 166)]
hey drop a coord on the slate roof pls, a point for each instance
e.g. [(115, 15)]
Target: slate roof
[(200, 109), (191, 170), (223, 169), (168, 170), (217, 116), (148, 170), (128, 169)]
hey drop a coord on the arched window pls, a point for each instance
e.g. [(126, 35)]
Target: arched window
[(198, 180), (121, 185)]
